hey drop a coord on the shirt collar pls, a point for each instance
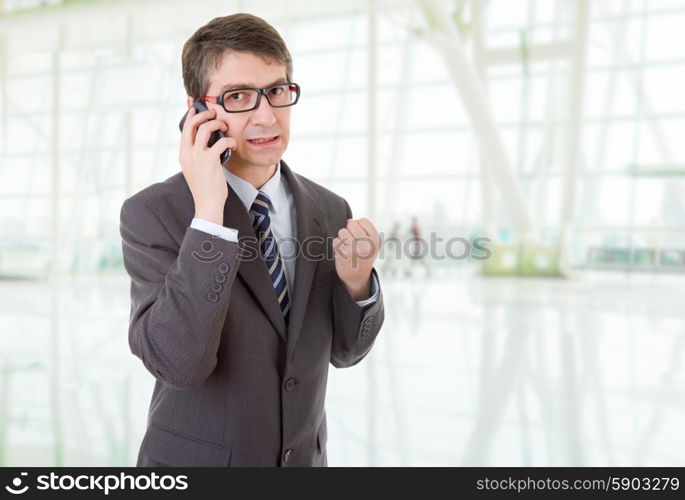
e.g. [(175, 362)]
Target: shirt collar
[(247, 192)]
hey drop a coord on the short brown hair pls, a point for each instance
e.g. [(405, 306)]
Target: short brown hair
[(238, 32)]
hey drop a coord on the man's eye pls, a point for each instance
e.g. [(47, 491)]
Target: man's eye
[(237, 96), (276, 91)]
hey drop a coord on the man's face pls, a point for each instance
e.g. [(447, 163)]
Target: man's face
[(244, 69)]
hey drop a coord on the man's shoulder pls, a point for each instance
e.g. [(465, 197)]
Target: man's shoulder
[(168, 202), (171, 190)]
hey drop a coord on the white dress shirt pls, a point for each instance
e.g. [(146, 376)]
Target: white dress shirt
[(283, 215)]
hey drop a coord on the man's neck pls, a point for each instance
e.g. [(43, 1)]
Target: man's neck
[(254, 174)]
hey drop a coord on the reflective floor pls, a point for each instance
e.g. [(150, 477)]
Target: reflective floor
[(466, 371)]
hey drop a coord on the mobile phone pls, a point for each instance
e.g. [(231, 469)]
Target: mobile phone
[(200, 106)]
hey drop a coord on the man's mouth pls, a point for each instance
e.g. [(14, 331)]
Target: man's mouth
[(263, 140)]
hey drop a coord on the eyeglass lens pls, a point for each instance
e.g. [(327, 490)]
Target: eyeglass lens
[(245, 99)]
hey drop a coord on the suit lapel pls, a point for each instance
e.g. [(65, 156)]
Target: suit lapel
[(311, 232), (252, 268)]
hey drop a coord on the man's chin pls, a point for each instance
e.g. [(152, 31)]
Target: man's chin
[(255, 162), (266, 160)]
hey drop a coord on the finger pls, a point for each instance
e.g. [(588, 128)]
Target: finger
[(187, 133), (205, 130), (223, 144), (340, 249), (355, 229), (362, 245), (193, 121), (198, 119), (368, 227), (345, 236), (201, 117)]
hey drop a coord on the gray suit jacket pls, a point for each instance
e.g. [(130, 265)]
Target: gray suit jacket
[(234, 387)]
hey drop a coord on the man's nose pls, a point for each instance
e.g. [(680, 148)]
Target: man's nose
[(263, 114)]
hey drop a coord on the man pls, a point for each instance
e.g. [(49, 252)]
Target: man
[(237, 328)]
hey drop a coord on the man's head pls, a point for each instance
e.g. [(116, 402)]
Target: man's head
[(241, 50)]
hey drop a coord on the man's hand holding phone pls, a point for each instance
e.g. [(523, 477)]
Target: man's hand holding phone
[(201, 164)]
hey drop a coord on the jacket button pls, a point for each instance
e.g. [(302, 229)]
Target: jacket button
[(290, 384), (212, 297), (217, 287), (224, 268), (220, 278), (286, 455)]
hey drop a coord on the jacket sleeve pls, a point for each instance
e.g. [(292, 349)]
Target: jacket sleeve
[(355, 327), (179, 295)]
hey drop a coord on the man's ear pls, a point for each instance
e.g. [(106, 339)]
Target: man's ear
[(189, 101)]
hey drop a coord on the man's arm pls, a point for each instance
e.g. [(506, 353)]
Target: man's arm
[(355, 326), (374, 292), (227, 233), (179, 296)]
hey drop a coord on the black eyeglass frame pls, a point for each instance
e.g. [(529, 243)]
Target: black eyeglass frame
[(219, 99)]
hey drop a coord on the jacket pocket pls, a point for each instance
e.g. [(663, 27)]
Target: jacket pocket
[(170, 447)]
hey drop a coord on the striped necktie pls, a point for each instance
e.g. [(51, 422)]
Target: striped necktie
[(267, 243)]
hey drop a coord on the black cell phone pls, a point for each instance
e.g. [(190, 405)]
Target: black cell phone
[(200, 106)]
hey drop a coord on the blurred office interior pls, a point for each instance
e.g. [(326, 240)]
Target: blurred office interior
[(553, 128)]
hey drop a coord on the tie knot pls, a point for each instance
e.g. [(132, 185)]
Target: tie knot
[(262, 203)]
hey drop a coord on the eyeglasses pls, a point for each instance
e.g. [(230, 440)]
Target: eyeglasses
[(241, 100)]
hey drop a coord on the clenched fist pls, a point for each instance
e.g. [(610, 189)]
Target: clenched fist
[(356, 248)]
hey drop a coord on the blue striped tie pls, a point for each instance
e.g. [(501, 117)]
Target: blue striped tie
[(267, 242)]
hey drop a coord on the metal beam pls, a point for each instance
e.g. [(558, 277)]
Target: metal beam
[(56, 263), (3, 90), (445, 38), (538, 52), (486, 188), (573, 132)]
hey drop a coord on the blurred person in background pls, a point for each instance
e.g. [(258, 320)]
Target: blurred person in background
[(418, 249), (392, 251)]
